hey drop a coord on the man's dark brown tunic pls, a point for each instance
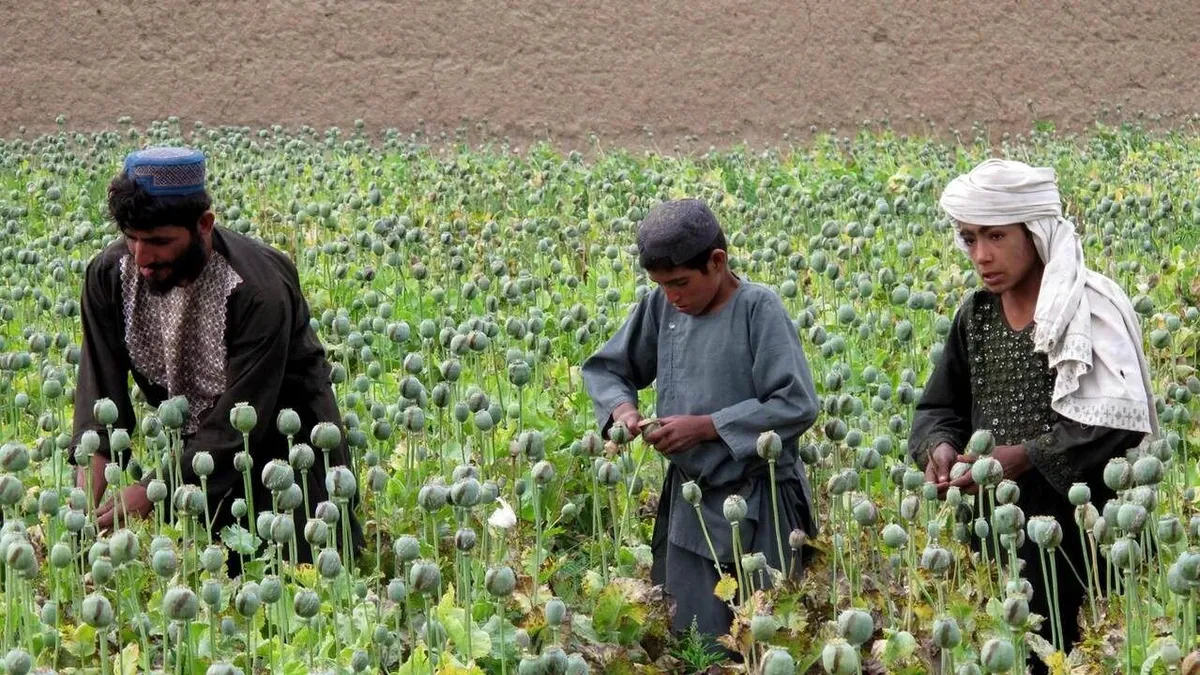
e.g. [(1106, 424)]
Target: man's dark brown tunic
[(239, 333)]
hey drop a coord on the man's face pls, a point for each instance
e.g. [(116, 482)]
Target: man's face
[(1003, 255), (166, 256), (690, 291)]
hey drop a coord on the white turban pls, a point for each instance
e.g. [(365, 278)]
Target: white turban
[(1083, 321)]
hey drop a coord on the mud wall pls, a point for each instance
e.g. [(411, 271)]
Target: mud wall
[(723, 71)]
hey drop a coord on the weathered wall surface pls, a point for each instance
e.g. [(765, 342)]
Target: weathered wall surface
[(723, 70)]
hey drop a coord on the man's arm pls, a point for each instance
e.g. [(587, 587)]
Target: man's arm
[(103, 369), (786, 400), (943, 415), (627, 363)]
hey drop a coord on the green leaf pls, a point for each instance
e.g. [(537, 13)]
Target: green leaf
[(454, 619), (85, 640), (239, 540)]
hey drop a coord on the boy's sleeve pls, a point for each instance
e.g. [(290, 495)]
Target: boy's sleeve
[(625, 364), (1074, 453), (943, 414), (786, 400)]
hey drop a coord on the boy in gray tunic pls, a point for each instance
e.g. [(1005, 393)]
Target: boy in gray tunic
[(727, 366)]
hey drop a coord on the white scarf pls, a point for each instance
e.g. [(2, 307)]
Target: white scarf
[(1083, 321)]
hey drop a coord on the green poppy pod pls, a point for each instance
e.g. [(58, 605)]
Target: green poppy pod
[(423, 577), (839, 658), (735, 508), (329, 563), (946, 634), (1118, 474), (243, 417), (326, 436), (278, 475), (306, 604), (855, 626), (180, 604), (997, 656), (1125, 553), (105, 412), (778, 662), (499, 581), (288, 422), (1079, 494)]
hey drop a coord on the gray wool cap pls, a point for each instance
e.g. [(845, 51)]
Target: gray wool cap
[(677, 230)]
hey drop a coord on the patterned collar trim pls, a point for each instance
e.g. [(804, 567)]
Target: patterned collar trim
[(177, 339)]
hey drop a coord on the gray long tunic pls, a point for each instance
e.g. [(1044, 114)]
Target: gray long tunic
[(744, 366)]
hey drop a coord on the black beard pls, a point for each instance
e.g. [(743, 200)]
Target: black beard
[(186, 268)]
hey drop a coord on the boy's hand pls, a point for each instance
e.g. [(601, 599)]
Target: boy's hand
[(682, 432), (628, 414), (133, 497), (937, 469)]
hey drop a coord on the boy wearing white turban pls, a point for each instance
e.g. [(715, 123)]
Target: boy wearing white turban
[(1047, 356)]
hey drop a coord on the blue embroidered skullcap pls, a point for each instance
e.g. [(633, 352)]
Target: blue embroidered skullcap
[(167, 170)]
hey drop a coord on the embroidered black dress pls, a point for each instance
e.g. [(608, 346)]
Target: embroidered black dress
[(989, 377)]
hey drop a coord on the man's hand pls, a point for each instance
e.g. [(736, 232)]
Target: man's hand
[(628, 414), (682, 432), (132, 501), (941, 458), (99, 485)]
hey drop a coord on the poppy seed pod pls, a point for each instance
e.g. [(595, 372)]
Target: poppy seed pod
[(180, 604), (1016, 610), (243, 462), (278, 475), (112, 473), (202, 464), (465, 493), (500, 581), (797, 539), (778, 662), (691, 493), (987, 471), (247, 602), (839, 658), (105, 411), (464, 539), (270, 589), (769, 446), (164, 563), (1131, 518), (171, 414), (326, 436), (288, 422), (301, 457), (1079, 494), (946, 633), (1007, 492), (1126, 554), (556, 611), (543, 472), (936, 559), (619, 433), (763, 627), (909, 507), (982, 443), (1118, 474), (855, 626), (123, 547), (14, 457), (424, 577), (609, 473), (735, 508), (340, 483), (1170, 530), (306, 604), (1008, 519), (316, 532), (243, 417), (329, 563), (997, 656), (97, 611), (328, 512), (1148, 470)]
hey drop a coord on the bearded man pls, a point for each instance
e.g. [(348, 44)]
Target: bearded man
[(191, 309), (1047, 356)]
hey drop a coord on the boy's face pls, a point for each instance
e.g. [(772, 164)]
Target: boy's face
[(1003, 255), (691, 291)]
